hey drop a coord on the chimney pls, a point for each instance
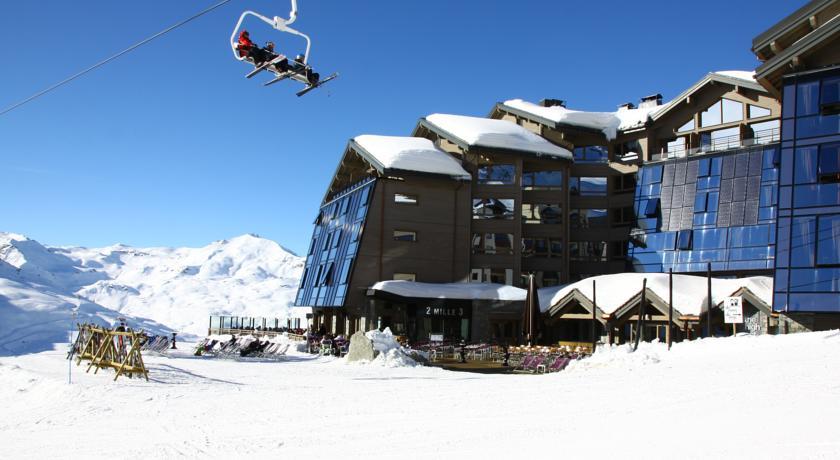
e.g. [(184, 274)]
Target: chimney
[(651, 101), (553, 103), (626, 106)]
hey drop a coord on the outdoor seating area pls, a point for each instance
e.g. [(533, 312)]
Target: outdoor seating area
[(256, 326), (246, 346), (326, 345), (524, 359)]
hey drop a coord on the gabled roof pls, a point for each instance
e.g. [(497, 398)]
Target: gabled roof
[(469, 132), (745, 79), (608, 123), (407, 154), (795, 25)]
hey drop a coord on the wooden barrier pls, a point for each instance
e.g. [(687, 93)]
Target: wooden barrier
[(111, 348)]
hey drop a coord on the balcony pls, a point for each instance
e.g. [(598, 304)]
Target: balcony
[(720, 144)]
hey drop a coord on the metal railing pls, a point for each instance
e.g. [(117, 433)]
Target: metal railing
[(720, 144)]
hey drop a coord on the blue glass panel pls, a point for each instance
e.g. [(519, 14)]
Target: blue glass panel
[(830, 93), (829, 163), (745, 265), (780, 280), (784, 197), (783, 242), (789, 100), (712, 199), (828, 240), (712, 238), (684, 240), (769, 175), (708, 182), (661, 241), (652, 175), (651, 207), (814, 302), (805, 165), (703, 167), (500, 174), (716, 166), (755, 235), (786, 169), (807, 98), (767, 196), (705, 219), (780, 302), (767, 213), (700, 202), (815, 280), (802, 241), (818, 125), (816, 195), (757, 253)]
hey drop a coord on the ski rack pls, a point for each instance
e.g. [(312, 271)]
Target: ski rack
[(110, 348)]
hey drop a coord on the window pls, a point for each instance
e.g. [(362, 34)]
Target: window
[(492, 275), (828, 168), (830, 97), (326, 274), (710, 116), (532, 247), (802, 242), (684, 240), (706, 201), (594, 251), (538, 213), (492, 243), (405, 276), (721, 139), (624, 183), (732, 111), (542, 180), (402, 198), (591, 153), (676, 146), (588, 186), (493, 208), (828, 240), (686, 127), (624, 215), (807, 97), (765, 132), (757, 112), (652, 175), (651, 207), (588, 218), (405, 235), (501, 174)]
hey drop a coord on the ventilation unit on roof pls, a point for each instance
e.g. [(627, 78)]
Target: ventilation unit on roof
[(553, 103), (627, 106), (651, 101)]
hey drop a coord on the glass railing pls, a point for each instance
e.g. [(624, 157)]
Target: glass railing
[(720, 144)]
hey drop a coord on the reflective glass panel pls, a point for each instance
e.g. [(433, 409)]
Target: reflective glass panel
[(732, 111), (802, 241), (501, 174), (828, 240), (493, 208), (756, 111), (805, 165), (711, 116), (807, 98)]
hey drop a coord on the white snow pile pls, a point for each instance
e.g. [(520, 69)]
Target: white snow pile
[(178, 287), (467, 291), (610, 123), (500, 134), (689, 290), (748, 75), (411, 154), (391, 353)]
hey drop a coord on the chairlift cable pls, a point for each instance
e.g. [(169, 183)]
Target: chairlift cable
[(106, 61)]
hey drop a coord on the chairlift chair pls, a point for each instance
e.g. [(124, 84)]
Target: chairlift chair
[(298, 69)]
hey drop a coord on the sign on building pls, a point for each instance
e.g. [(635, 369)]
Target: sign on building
[(733, 311)]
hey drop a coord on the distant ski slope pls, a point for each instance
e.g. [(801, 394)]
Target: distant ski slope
[(176, 287)]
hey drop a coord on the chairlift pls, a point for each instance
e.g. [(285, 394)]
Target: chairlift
[(297, 69)]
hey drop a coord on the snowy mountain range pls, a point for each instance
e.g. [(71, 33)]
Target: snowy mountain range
[(158, 289)]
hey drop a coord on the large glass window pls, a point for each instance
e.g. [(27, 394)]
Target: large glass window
[(497, 174), (757, 112), (492, 243), (732, 111), (588, 186), (542, 180), (711, 116), (588, 251), (688, 126), (805, 165), (829, 164), (807, 98), (493, 208), (802, 241), (540, 213), (828, 240), (405, 235), (591, 153), (588, 218), (830, 94), (765, 132)]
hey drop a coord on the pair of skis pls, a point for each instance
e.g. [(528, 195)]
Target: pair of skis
[(299, 70)]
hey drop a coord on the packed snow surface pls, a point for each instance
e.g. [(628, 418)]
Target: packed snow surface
[(610, 123), (690, 291), (479, 291), (177, 287), (752, 397), (391, 353), (500, 134), (411, 154)]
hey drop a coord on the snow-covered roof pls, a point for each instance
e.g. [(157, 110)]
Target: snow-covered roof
[(610, 123), (409, 154), (748, 75), (466, 291), (499, 134), (689, 291)]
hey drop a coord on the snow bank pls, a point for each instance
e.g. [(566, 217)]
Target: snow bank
[(391, 353), (610, 123), (411, 154), (689, 291), (500, 134), (467, 291)]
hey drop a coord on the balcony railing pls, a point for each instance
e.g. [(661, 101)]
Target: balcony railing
[(720, 144)]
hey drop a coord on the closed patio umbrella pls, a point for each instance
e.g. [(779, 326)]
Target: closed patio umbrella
[(531, 315)]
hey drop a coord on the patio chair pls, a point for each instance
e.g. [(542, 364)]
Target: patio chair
[(537, 364), (559, 364), (525, 364)]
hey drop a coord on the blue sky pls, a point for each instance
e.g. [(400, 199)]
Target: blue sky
[(171, 146)]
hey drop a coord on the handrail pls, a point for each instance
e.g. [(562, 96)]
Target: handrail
[(721, 144)]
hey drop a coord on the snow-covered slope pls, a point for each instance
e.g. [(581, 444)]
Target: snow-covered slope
[(178, 287)]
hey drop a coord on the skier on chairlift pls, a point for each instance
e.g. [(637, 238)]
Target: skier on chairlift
[(247, 48)]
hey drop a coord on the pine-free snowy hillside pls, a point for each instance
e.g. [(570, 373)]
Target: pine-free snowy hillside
[(178, 287)]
